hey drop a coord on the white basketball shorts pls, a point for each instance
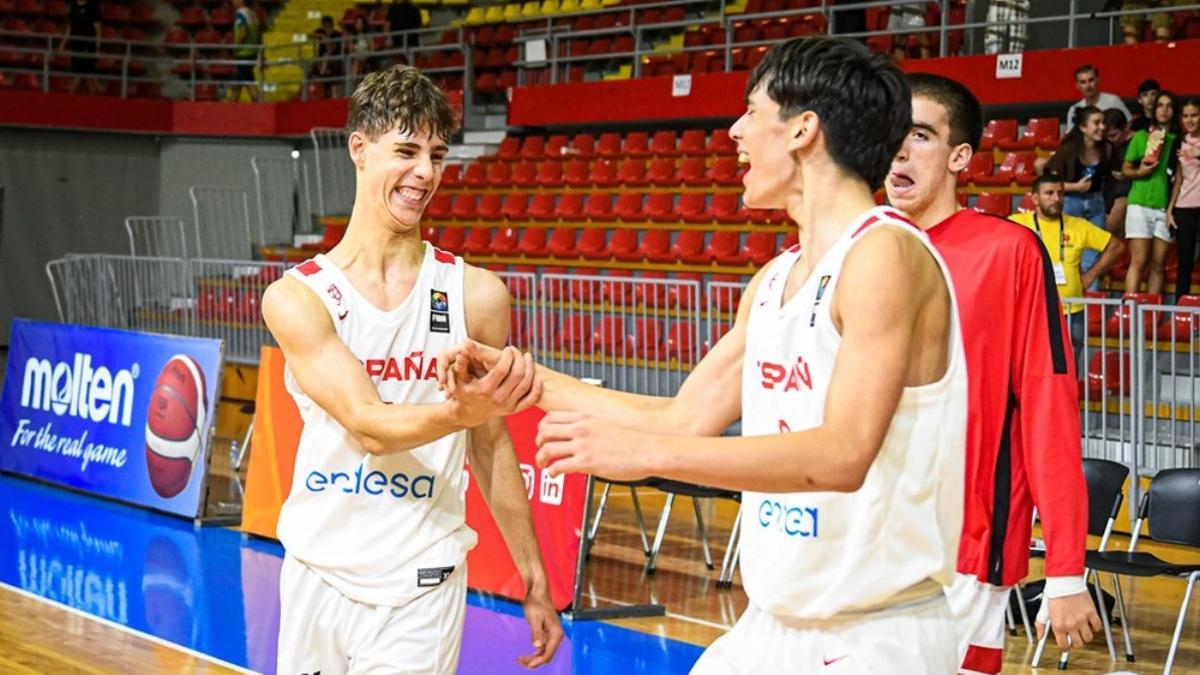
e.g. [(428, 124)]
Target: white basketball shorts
[(978, 610), (916, 637), (323, 631)]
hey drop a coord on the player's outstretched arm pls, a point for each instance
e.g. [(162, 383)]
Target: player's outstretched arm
[(887, 280), (494, 466), (333, 378), (707, 403)]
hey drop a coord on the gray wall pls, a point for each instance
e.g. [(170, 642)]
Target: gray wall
[(66, 192), (69, 192)]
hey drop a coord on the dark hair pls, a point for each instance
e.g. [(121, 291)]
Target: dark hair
[(963, 111), (1173, 125), (1148, 85), (1045, 179), (844, 84), (1082, 113), (1087, 68), (401, 98), (1115, 119)]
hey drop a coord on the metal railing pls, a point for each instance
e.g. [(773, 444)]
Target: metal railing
[(282, 197), (222, 218), (334, 170), (158, 236)]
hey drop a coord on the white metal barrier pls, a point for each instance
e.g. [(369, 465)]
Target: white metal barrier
[(158, 236), (282, 201), (1168, 395), (721, 309), (117, 291), (227, 295), (635, 334), (524, 328), (222, 217), (335, 171)]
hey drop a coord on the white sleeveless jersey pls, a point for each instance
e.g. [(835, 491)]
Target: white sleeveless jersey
[(814, 555), (382, 530)]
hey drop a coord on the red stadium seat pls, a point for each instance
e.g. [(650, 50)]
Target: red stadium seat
[(629, 207), (429, 234), (623, 245), (612, 339), (570, 208), (721, 144), (1181, 327), (542, 207), (691, 143), (524, 174), (465, 207), (662, 172), (689, 248), (556, 147), (632, 172), (660, 207), (593, 244), (725, 172), (192, 17), (725, 248), (726, 208), (575, 334), (452, 176), (516, 206), (1040, 132), (479, 241), (651, 295), (562, 243), (637, 144), (1120, 324), (490, 206), (1017, 167), (1108, 372), (550, 174), (790, 240), (609, 145), (979, 165), (656, 246), (452, 239), (475, 175), (499, 174), (532, 148), (994, 204), (692, 208), (663, 144), (759, 248), (440, 206), (577, 173), (684, 296), (533, 243), (1027, 204), (648, 340), (583, 146), (520, 329), (997, 131), (510, 149), (599, 208), (604, 173), (692, 171)]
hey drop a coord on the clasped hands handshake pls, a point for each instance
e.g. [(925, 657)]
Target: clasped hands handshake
[(484, 382)]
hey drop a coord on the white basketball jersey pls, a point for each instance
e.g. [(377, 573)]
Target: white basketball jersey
[(382, 530), (814, 555)]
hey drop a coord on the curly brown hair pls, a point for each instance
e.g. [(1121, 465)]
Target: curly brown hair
[(402, 98)]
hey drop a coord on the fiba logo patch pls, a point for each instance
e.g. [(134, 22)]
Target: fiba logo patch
[(175, 424), (439, 312)]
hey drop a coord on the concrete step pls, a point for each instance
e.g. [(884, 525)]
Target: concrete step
[(490, 136), (469, 152)]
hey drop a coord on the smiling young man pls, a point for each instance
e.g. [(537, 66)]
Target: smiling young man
[(375, 574), (1023, 437), (845, 365)]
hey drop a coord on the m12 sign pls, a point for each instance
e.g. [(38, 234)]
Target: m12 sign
[(1008, 66)]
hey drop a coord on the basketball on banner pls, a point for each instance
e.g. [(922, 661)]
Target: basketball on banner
[(175, 425)]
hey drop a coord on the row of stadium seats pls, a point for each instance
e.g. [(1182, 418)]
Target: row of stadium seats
[(689, 246), (663, 143), (604, 207), (755, 30), (518, 13), (111, 13), (612, 336), (660, 172)]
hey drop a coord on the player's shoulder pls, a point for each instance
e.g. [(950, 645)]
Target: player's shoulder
[(486, 293)]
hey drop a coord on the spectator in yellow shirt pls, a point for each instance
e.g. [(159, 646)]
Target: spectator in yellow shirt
[(1066, 238)]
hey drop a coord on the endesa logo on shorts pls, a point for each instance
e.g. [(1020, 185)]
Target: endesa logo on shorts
[(399, 485), (793, 521)]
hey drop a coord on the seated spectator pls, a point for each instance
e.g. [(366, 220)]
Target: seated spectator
[(1183, 211), (1116, 191), (358, 46), (1147, 96), (1160, 22), (1006, 28), (908, 16), (1087, 81), (1147, 161)]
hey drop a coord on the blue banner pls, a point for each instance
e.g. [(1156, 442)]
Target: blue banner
[(122, 414)]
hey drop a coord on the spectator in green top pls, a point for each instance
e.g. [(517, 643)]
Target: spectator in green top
[(1148, 162), (247, 38)]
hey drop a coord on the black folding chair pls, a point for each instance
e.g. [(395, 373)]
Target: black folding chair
[(633, 485), (1104, 482), (696, 492), (1171, 511)]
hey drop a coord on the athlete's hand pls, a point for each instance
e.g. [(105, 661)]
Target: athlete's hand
[(575, 442), (506, 388), (478, 359), (545, 631), (1074, 616)]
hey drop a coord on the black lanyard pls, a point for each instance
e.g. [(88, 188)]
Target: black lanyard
[(1062, 241)]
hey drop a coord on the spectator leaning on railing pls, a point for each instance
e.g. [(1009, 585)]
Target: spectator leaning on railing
[(1148, 163), (1183, 211), (83, 38)]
